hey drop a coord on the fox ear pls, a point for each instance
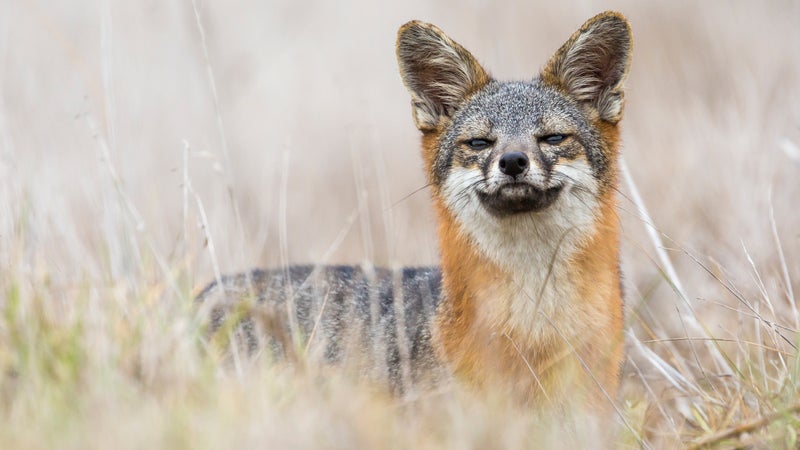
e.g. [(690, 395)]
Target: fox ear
[(592, 65), (438, 72)]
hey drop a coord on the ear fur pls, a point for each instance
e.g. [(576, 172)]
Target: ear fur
[(437, 71), (592, 65)]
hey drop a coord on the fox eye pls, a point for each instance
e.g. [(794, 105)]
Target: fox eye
[(478, 144), (554, 139)]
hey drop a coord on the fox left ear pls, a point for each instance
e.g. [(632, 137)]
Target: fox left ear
[(592, 65)]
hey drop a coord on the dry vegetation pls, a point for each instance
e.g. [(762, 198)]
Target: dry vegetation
[(145, 146)]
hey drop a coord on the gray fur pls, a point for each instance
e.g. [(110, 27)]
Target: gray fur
[(350, 313), (515, 112)]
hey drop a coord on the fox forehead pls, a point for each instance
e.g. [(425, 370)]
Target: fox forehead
[(518, 108)]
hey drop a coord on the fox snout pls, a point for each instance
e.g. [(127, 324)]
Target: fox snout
[(516, 184)]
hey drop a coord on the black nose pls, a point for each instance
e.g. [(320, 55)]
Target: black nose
[(513, 163)]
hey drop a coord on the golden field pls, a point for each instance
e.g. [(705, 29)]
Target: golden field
[(146, 146)]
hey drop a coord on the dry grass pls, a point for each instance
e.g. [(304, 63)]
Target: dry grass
[(146, 147)]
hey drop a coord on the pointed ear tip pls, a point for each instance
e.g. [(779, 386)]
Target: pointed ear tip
[(407, 25), (610, 18), (403, 34), (415, 25)]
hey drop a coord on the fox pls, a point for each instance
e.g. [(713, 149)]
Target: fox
[(528, 295)]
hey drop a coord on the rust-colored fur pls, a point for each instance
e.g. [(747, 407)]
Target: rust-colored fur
[(555, 364), (531, 368)]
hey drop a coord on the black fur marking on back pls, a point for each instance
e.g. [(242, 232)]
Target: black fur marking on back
[(359, 315)]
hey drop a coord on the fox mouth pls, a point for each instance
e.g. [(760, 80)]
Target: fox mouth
[(518, 198)]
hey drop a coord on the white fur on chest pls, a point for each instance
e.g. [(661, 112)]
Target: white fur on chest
[(535, 250)]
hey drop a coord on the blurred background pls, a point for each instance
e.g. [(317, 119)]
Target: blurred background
[(140, 136)]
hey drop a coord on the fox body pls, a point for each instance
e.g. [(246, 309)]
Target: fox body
[(523, 176), (374, 319)]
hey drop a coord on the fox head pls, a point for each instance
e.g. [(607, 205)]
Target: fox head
[(539, 152)]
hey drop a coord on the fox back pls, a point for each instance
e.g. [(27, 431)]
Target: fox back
[(523, 178), (373, 320)]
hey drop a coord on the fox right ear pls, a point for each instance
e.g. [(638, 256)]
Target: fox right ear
[(438, 72)]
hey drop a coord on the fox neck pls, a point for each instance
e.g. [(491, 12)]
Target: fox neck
[(529, 293)]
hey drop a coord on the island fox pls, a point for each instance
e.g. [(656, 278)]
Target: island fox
[(523, 176)]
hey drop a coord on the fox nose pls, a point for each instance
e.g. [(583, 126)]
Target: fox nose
[(513, 163)]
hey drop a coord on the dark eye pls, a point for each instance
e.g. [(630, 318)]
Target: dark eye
[(478, 144), (554, 139)]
